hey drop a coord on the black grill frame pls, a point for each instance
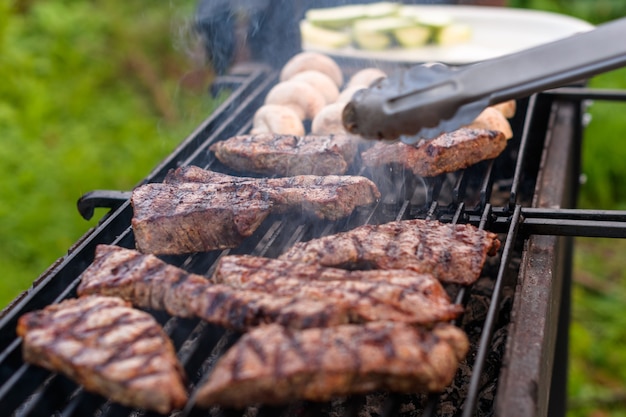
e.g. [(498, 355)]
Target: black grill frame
[(532, 210)]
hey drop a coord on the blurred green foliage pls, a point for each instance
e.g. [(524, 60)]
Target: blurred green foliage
[(594, 11), (92, 96), (597, 380), (604, 148)]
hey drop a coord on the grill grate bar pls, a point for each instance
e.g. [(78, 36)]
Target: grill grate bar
[(485, 188), (521, 157), (57, 391), (80, 403), (458, 191), (11, 393), (485, 339)]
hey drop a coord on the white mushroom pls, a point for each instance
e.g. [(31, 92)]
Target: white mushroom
[(328, 121), (321, 82), (315, 61), (507, 108), (366, 77), (298, 95), (272, 118), (346, 95), (492, 119)]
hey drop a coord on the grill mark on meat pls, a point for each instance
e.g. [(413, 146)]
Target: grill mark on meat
[(217, 302), (449, 152), (177, 281), (332, 196), (126, 352), (452, 253), (287, 155), (238, 269), (195, 296), (184, 218), (109, 348), (321, 364), (387, 344), (196, 210), (352, 352), (369, 296), (251, 345), (359, 254)]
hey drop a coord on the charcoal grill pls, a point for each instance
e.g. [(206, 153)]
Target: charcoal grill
[(517, 313)]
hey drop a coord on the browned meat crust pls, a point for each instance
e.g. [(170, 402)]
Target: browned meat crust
[(452, 253), (411, 297), (198, 210), (109, 348), (148, 282), (446, 153), (330, 196), (287, 155), (184, 218), (273, 365)]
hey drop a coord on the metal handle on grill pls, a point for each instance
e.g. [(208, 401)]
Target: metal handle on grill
[(88, 202), (427, 100)]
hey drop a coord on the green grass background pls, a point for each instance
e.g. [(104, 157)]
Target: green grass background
[(94, 94)]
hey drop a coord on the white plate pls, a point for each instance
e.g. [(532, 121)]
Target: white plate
[(496, 31)]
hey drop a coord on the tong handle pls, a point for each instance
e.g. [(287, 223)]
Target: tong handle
[(547, 66)]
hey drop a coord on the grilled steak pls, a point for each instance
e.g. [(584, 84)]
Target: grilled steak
[(411, 298), (148, 282), (452, 253), (239, 269), (287, 155), (184, 218), (274, 365), (446, 153), (198, 210), (331, 196), (108, 347)]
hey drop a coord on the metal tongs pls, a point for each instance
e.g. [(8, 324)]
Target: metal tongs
[(427, 100)]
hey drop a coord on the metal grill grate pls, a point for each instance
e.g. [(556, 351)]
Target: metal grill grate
[(495, 195)]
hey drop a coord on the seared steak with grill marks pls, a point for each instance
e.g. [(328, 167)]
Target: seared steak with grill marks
[(447, 153), (274, 365), (184, 218), (410, 298), (148, 282), (452, 253), (239, 269), (198, 210), (331, 196), (108, 347), (287, 155)]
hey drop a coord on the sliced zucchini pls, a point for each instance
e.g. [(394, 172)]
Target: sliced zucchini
[(412, 37), (377, 34), (336, 17), (382, 25), (382, 9), (319, 36), (453, 34), (373, 41)]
